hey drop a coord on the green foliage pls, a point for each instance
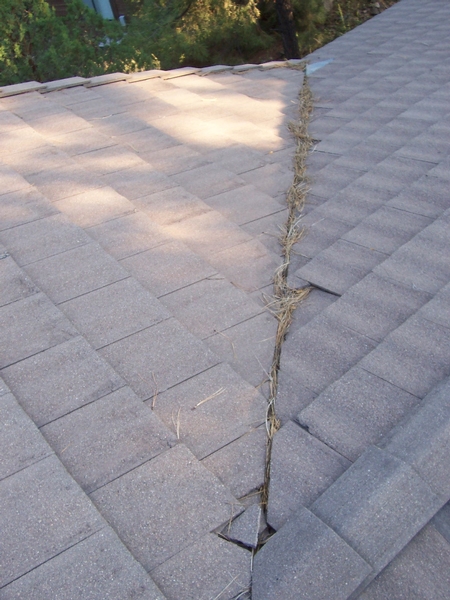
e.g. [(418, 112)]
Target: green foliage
[(194, 32), (309, 16), (37, 45)]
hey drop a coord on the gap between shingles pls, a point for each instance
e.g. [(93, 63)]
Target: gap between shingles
[(285, 298)]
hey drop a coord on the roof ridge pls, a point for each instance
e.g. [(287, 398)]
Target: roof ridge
[(61, 84)]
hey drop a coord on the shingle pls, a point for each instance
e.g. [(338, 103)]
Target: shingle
[(292, 395), (211, 305), (171, 206), (340, 266), (267, 229), (247, 347), (138, 181), (244, 204), (15, 283), (167, 268), (42, 238), (428, 197), (248, 266), (158, 357), (421, 570), (301, 469), (272, 179), (208, 233), (387, 229), (376, 306), (108, 160), (211, 410), (30, 326), (237, 158), (74, 376), (10, 180), (114, 312), (356, 411), (322, 566), (354, 203), (209, 567), (175, 159), (44, 513), (98, 567), (322, 351), (241, 465), (377, 506), (75, 272), (421, 263), (64, 182), (128, 235), (422, 439), (426, 147), (21, 444), (79, 142), (319, 233), (414, 356), (156, 518), (246, 527), (111, 436), (441, 521), (438, 309), (95, 207), (208, 180), (22, 207)]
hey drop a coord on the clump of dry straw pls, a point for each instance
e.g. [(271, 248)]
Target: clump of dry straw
[(285, 298)]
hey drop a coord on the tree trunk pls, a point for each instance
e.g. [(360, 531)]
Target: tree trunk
[(285, 15)]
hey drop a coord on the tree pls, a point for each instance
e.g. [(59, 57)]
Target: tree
[(285, 14)]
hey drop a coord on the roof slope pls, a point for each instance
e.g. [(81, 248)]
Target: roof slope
[(138, 230), (368, 355)]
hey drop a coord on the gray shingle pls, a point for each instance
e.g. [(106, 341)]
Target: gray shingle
[(21, 444), (245, 528), (42, 238), (22, 207), (74, 375), (209, 568), (420, 571), (340, 266), (322, 351), (421, 263), (211, 410), (98, 567), (241, 465), (114, 312), (414, 357), (376, 306), (422, 439), (75, 272), (158, 357), (441, 521), (29, 326), (142, 505), (15, 283), (44, 513), (302, 468), (322, 566), (99, 442), (211, 305), (377, 506), (427, 197), (356, 411), (387, 229)]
